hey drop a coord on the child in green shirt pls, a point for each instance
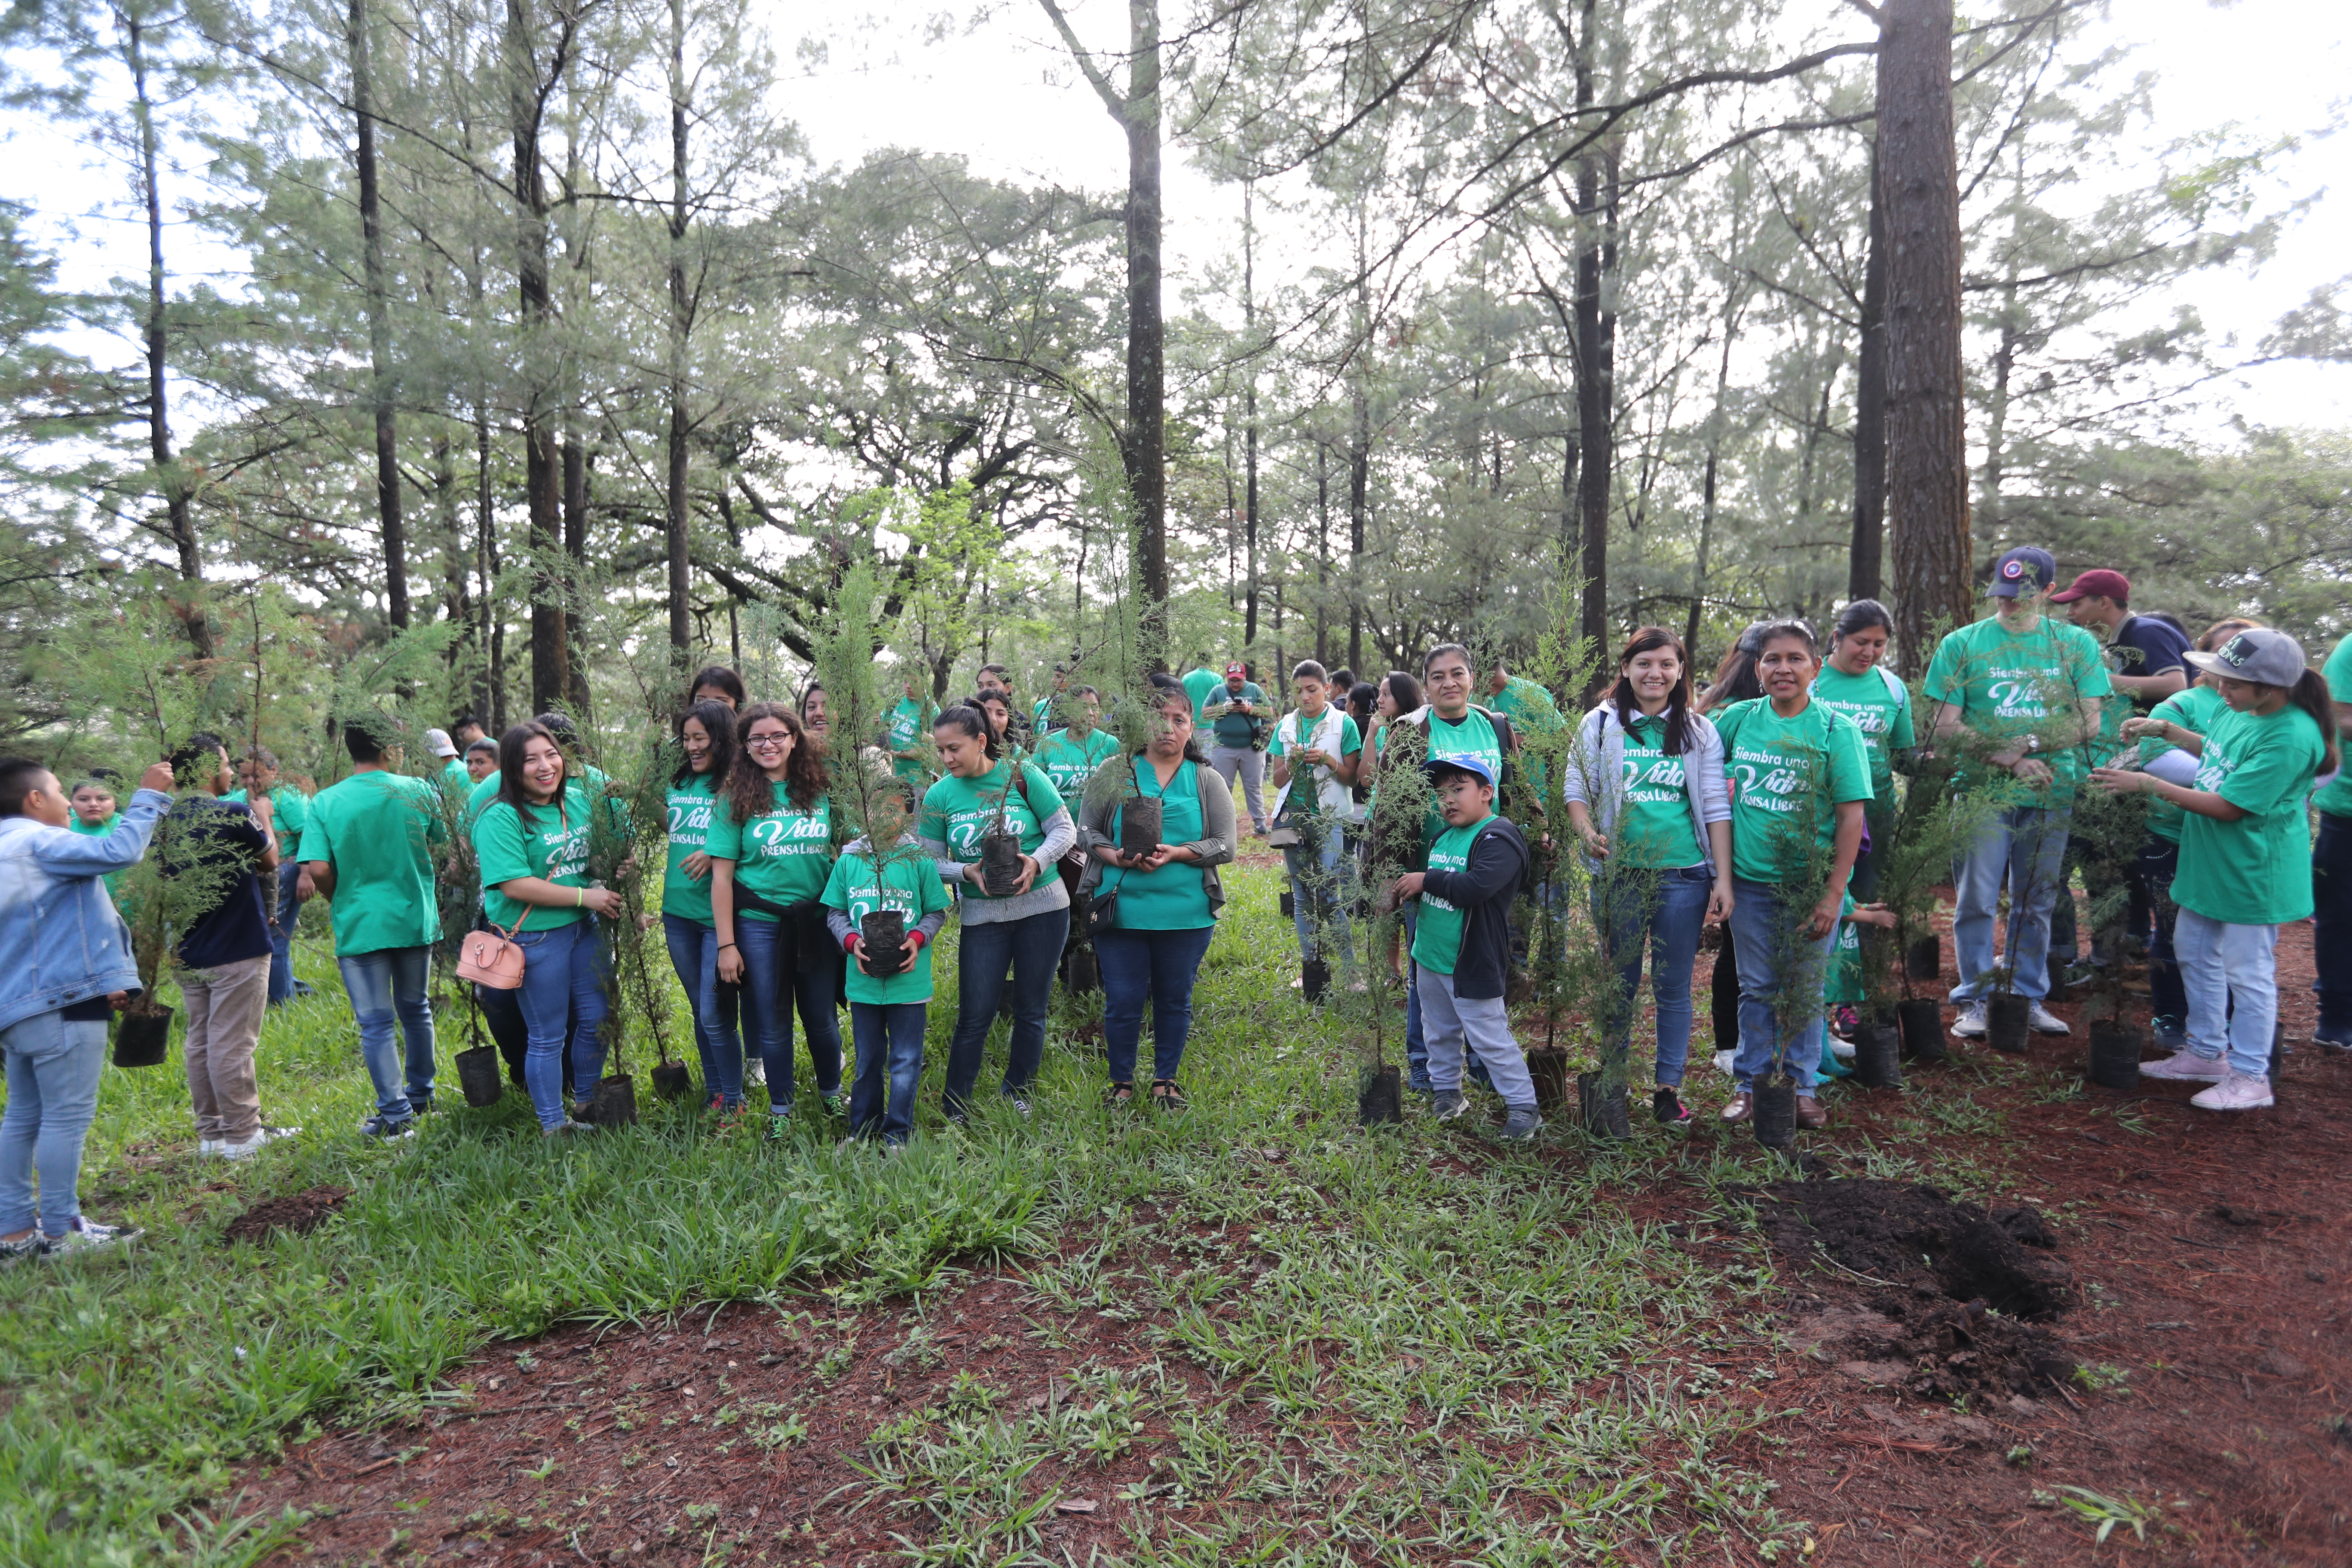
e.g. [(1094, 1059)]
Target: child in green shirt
[(889, 993)]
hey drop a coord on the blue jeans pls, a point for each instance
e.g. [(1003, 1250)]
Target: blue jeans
[(1158, 965), (281, 932), (773, 982), (1779, 1014), (1029, 947), (2331, 923), (2230, 972), (1322, 881), (712, 1007), (1663, 912), (53, 1072), (562, 999), (889, 1040), (385, 985), (2026, 846)]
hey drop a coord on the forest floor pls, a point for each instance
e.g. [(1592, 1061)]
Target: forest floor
[(1253, 1334)]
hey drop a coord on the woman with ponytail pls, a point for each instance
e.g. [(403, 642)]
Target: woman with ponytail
[(2245, 854), (1856, 682)]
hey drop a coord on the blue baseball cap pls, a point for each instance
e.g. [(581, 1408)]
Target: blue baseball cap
[(2022, 568), (1468, 762)]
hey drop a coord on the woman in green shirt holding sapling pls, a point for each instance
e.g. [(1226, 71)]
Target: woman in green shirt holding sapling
[(2245, 854), (531, 843), (705, 738), (1166, 899), (1857, 685), (770, 848)]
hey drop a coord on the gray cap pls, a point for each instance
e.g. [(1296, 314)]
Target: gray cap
[(2258, 653), (437, 742)]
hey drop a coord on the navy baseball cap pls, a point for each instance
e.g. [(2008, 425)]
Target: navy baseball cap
[(1468, 763), (2022, 568)]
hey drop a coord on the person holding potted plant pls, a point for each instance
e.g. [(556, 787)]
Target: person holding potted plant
[(1799, 779), (1162, 902), (990, 808), (368, 845), (531, 844), (889, 991), (65, 965), (2024, 690), (2245, 854), (770, 848), (1318, 742), (1856, 683), (706, 742), (1644, 791)]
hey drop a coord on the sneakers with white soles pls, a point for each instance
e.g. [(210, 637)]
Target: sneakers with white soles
[(2045, 1022), (1971, 1024), (1723, 1060), (1522, 1125), (88, 1235), (2238, 1091), (2185, 1064), (211, 1146), (1841, 1048), (262, 1137), (1449, 1104)]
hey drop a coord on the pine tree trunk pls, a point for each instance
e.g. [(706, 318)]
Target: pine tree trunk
[(1596, 333), (179, 512), (550, 661), (380, 373), (1926, 435), (1143, 449), (673, 512), (1862, 576), (575, 563), (1249, 437)]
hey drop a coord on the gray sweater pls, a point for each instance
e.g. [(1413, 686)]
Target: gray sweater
[(1215, 847), (1046, 893)]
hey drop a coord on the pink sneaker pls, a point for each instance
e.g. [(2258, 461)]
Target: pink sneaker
[(2238, 1091), (2185, 1064)]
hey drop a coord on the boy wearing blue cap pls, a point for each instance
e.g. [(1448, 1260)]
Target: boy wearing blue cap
[(2030, 686), (1462, 941)]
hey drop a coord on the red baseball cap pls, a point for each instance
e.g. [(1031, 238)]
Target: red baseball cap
[(1237, 668), (2098, 580)]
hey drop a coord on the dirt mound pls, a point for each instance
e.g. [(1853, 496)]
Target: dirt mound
[(1936, 1348), (1900, 1235), (300, 1212)]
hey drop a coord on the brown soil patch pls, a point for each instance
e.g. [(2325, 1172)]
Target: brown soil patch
[(300, 1212)]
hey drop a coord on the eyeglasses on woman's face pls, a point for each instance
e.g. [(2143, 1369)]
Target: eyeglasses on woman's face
[(770, 740)]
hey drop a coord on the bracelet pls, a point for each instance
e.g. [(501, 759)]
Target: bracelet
[(725, 945), (579, 898)]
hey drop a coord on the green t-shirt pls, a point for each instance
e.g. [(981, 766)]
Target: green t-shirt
[(1198, 684), (909, 883), (2257, 869), (1069, 762), (453, 777), (1531, 711), (1845, 958), (479, 797), (1780, 771), (554, 845), (1237, 730), (2337, 798), (905, 732), (289, 813), (784, 854), (2010, 684), (1437, 928), (958, 812), (1174, 897), (377, 830), (1880, 707), (112, 877), (1474, 736), (690, 808), (1653, 826), (2192, 710)]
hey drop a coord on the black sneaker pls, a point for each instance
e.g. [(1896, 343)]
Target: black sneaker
[(1668, 1108), (385, 1129)]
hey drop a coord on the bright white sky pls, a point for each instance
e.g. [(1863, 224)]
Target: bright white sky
[(1006, 97)]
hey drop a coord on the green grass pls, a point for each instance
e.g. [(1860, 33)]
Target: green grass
[(1439, 1351)]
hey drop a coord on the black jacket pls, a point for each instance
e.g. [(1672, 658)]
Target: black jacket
[(1482, 891)]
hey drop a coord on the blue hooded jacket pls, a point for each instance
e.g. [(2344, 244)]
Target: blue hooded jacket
[(61, 939)]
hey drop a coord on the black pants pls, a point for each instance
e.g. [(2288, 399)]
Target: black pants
[(1722, 998), (2331, 937)]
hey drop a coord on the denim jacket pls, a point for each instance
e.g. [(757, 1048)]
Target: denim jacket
[(61, 941)]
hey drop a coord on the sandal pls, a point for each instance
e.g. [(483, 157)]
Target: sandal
[(1167, 1096), (1119, 1094)]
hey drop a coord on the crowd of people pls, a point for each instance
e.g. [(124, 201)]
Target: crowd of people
[(808, 871)]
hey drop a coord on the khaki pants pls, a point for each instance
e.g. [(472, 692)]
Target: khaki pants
[(225, 1008)]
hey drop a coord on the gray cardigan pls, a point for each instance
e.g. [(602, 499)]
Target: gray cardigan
[(1215, 847), (1596, 775), (1046, 893)]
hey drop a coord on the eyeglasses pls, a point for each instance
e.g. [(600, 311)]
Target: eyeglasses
[(768, 742)]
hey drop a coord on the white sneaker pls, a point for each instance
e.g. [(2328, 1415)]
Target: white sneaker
[(2188, 1065), (1841, 1048), (211, 1146), (253, 1145), (87, 1235), (1723, 1060), (2236, 1091), (755, 1071), (2045, 1022), (1971, 1024)]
